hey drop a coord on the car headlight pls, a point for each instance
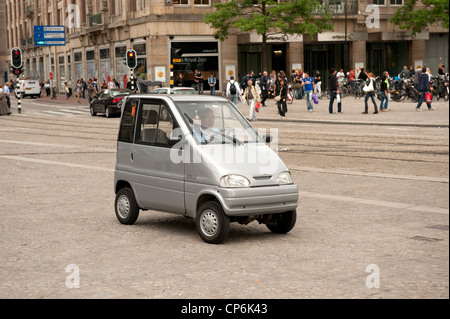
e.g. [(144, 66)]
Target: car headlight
[(284, 178), (234, 181)]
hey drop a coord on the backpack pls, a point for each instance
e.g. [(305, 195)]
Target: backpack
[(232, 88)]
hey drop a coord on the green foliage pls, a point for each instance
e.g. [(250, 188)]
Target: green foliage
[(417, 15), (268, 17)]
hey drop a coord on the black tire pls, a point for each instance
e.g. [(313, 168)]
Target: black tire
[(282, 223), (91, 109), (127, 210), (107, 112), (213, 225)]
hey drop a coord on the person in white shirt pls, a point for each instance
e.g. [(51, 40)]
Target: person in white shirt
[(233, 91), (111, 84)]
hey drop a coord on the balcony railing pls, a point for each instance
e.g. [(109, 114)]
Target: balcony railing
[(337, 7)]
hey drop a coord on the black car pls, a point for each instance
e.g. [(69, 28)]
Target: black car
[(109, 101)]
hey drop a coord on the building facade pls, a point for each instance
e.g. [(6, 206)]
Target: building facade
[(99, 32)]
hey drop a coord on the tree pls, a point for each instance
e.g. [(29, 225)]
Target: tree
[(417, 15), (269, 19)]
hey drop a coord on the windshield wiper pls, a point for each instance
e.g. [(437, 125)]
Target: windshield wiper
[(233, 139)]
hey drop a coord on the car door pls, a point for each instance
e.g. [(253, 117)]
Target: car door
[(158, 182), (97, 104)]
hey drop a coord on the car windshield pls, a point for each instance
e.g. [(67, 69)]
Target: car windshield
[(121, 92), (217, 122)]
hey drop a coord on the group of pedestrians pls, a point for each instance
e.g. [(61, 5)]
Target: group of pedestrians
[(305, 86)]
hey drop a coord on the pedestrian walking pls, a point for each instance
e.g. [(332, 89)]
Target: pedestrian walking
[(233, 91), (212, 83), (252, 97), (384, 92), (66, 90), (4, 110), (307, 84), (198, 79), (318, 84), (78, 91), (369, 89), (47, 88), (333, 88), (424, 88), (7, 92), (281, 97), (264, 85)]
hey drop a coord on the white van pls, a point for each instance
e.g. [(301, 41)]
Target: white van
[(198, 156), (28, 88)]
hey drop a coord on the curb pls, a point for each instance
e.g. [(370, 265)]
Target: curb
[(434, 125)]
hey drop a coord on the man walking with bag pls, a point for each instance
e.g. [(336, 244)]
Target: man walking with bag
[(333, 88)]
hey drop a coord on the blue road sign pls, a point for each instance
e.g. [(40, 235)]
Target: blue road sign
[(49, 35)]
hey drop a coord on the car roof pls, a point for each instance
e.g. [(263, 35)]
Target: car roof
[(177, 98)]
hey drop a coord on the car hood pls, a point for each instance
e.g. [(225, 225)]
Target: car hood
[(256, 161)]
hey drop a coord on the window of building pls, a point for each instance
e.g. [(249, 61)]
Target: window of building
[(91, 71), (121, 70), (202, 2), (105, 65), (141, 53), (379, 2), (396, 2), (181, 2)]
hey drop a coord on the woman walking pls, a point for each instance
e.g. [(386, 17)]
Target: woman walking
[(281, 97), (252, 97), (424, 88), (384, 91), (370, 93)]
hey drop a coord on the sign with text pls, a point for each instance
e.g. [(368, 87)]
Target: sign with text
[(50, 35)]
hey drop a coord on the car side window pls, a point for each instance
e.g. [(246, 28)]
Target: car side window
[(156, 124), (128, 121)]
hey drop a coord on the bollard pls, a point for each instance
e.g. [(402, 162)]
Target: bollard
[(19, 98)]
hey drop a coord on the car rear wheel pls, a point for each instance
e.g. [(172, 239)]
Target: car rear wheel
[(93, 113), (213, 225), (127, 210), (282, 223), (107, 112)]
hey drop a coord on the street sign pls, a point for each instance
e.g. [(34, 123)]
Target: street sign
[(50, 35)]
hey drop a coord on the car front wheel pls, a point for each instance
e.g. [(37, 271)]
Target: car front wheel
[(93, 113), (213, 225), (282, 223)]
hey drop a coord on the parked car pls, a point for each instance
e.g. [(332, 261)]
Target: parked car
[(28, 88), (198, 156), (109, 102), (175, 90)]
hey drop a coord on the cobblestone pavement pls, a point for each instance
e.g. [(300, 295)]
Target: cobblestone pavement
[(373, 215)]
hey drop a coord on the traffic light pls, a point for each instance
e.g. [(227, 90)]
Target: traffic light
[(17, 71), (16, 58), (131, 59)]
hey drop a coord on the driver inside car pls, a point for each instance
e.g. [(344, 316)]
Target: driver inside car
[(204, 129)]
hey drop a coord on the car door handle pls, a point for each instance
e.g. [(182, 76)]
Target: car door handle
[(132, 157)]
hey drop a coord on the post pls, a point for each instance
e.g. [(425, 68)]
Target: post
[(132, 80), (19, 97), (171, 77)]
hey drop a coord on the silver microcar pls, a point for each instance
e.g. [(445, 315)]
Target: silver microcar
[(198, 156)]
